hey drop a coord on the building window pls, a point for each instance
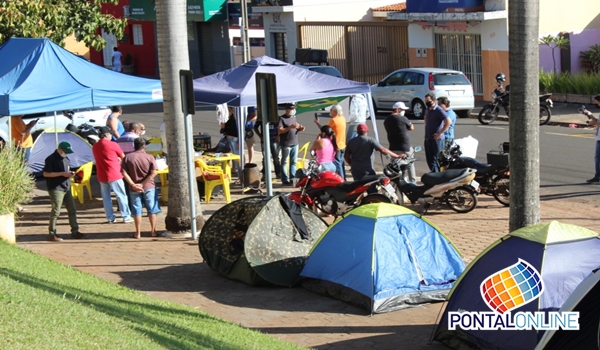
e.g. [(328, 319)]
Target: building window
[(280, 41), (138, 36)]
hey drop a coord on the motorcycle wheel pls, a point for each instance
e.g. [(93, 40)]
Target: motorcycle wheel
[(461, 199), (399, 194), (502, 190), (488, 114), (544, 114), (375, 198)]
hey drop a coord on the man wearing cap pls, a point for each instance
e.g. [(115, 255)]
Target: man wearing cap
[(397, 127), (58, 181), (288, 129), (108, 157), (360, 153)]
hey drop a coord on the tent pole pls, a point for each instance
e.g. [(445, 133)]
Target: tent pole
[(55, 131), (9, 142), (266, 146), (374, 122), (191, 172)]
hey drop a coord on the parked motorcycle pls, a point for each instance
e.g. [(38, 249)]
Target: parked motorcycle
[(454, 188), (327, 191), (494, 179), (501, 98)]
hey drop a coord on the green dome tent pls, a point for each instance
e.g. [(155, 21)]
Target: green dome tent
[(260, 240)]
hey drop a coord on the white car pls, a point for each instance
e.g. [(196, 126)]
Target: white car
[(94, 116), (409, 85)]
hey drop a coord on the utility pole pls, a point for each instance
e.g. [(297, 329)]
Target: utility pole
[(244, 30)]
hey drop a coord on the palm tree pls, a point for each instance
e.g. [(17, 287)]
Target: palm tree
[(171, 29), (523, 19), (554, 42)]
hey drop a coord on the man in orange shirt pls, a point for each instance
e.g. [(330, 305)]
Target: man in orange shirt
[(338, 124), (21, 135)]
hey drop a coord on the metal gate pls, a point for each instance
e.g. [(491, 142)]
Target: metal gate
[(461, 52), (280, 41), (360, 52)]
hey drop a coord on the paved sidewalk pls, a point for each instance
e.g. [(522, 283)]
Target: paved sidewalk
[(172, 269)]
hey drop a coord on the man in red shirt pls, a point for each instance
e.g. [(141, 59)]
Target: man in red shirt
[(108, 157)]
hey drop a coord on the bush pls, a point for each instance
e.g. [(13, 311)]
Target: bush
[(16, 183), (582, 83), (590, 59)]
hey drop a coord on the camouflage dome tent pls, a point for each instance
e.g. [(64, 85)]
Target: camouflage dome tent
[(260, 240)]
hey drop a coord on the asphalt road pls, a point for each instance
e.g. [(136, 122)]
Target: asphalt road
[(566, 155)]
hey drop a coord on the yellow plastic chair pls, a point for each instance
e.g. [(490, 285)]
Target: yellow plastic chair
[(154, 147), (300, 162), (77, 189), (213, 176)]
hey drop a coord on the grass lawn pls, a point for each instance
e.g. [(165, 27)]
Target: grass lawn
[(47, 305)]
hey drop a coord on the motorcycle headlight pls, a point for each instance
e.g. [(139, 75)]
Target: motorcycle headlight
[(494, 95)]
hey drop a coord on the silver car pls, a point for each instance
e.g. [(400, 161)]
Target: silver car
[(409, 85), (94, 116)]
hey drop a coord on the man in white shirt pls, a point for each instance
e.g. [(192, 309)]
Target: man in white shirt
[(116, 60), (358, 115)]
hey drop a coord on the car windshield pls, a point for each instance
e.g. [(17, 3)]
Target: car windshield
[(450, 79)]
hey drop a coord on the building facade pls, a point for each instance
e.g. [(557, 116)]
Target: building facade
[(360, 45), (472, 36)]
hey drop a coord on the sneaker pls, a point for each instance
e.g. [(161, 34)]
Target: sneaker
[(53, 237), (286, 183), (111, 221), (129, 219), (77, 235), (592, 180)]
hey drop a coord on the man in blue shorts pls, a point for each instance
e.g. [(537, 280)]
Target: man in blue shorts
[(139, 170)]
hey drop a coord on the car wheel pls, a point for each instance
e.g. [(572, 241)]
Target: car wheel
[(418, 109), (464, 114)]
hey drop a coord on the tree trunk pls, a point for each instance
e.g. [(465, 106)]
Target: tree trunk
[(524, 113), (171, 29)]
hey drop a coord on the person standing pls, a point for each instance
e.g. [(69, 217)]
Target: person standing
[(21, 135), (230, 130), (249, 133), (359, 110), (275, 147), (592, 121), (444, 102), (436, 124), (114, 123), (108, 157), (288, 129), (325, 146), (58, 181), (338, 124), (136, 130), (397, 127), (139, 170), (116, 60), (360, 153)]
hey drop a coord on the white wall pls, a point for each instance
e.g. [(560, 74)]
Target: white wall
[(420, 37), (337, 10), (570, 16), (494, 35), (280, 22)]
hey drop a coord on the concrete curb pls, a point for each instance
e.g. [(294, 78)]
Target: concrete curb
[(551, 122)]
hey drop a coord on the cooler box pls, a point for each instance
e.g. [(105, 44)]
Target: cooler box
[(202, 142), (438, 6)]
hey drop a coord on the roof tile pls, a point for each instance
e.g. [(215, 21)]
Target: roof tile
[(401, 7)]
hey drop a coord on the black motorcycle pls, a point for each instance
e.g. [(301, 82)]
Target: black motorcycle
[(501, 98), (494, 179)]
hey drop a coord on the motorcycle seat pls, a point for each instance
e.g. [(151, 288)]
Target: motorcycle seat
[(349, 186), (489, 169), (441, 177)]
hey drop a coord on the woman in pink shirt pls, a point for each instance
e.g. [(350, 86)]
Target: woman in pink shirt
[(325, 147)]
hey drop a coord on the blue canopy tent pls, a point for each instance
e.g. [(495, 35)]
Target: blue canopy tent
[(237, 88), (36, 75)]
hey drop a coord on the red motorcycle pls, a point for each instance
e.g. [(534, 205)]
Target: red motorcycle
[(327, 191)]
